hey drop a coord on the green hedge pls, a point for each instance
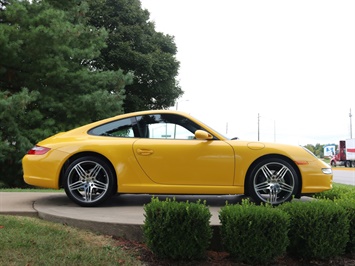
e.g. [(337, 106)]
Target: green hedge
[(349, 205), (344, 195), (254, 234), (322, 228), (177, 230), (338, 191), (319, 229)]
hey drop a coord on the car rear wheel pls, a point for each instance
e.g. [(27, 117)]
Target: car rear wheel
[(89, 181), (273, 181)]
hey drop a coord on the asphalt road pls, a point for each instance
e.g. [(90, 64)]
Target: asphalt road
[(344, 175)]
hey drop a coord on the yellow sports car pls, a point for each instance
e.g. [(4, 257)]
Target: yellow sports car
[(169, 152)]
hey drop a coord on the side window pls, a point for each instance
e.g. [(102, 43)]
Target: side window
[(169, 131), (166, 126), (120, 128)]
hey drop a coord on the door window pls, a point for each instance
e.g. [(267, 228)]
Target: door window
[(166, 126)]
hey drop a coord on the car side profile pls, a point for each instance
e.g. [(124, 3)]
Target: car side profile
[(169, 152)]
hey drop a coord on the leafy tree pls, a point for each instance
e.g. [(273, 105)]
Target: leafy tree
[(134, 46), (14, 142), (50, 51), (317, 149)]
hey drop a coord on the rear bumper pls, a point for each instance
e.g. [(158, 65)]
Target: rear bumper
[(43, 170)]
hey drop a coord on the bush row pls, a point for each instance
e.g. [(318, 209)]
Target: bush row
[(318, 229)]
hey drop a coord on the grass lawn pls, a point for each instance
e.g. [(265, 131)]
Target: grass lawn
[(31, 241)]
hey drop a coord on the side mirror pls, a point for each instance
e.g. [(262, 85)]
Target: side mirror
[(201, 134)]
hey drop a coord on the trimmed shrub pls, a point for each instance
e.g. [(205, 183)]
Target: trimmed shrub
[(337, 192), (319, 229), (349, 205), (177, 230), (254, 234)]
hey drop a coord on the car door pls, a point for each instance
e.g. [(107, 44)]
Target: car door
[(170, 155)]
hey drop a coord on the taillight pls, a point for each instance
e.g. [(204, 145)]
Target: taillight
[(38, 150)]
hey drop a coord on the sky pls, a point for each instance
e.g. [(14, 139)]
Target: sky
[(269, 70)]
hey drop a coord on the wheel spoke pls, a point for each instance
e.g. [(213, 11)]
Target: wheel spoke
[(95, 171), (100, 185), (266, 171), (281, 173), (76, 185), (80, 171), (286, 187), (262, 186), (273, 196), (88, 193)]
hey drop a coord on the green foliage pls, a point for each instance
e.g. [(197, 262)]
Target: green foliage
[(177, 230), (344, 196), (339, 191), (51, 52), (319, 229), (254, 234), (348, 203), (134, 46), (14, 142)]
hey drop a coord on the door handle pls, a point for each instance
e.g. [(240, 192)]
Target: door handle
[(144, 152)]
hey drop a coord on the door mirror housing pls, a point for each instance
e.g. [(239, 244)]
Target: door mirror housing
[(204, 135)]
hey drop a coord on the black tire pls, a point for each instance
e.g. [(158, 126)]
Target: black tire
[(273, 181), (347, 164), (89, 181), (333, 164)]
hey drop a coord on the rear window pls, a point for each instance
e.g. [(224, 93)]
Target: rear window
[(119, 128)]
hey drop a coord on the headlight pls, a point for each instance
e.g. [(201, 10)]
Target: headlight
[(327, 171)]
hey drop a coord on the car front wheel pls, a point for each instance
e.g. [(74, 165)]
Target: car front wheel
[(273, 181), (89, 181)]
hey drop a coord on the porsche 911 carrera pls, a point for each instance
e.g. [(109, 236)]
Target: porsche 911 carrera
[(170, 152)]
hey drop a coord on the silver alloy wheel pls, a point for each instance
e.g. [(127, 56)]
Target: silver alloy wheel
[(274, 182), (88, 181)]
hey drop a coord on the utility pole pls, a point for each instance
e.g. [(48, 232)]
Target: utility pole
[(258, 127), (351, 126)]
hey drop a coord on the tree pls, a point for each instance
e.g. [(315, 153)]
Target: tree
[(134, 46), (50, 52), (14, 141), (317, 150)]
